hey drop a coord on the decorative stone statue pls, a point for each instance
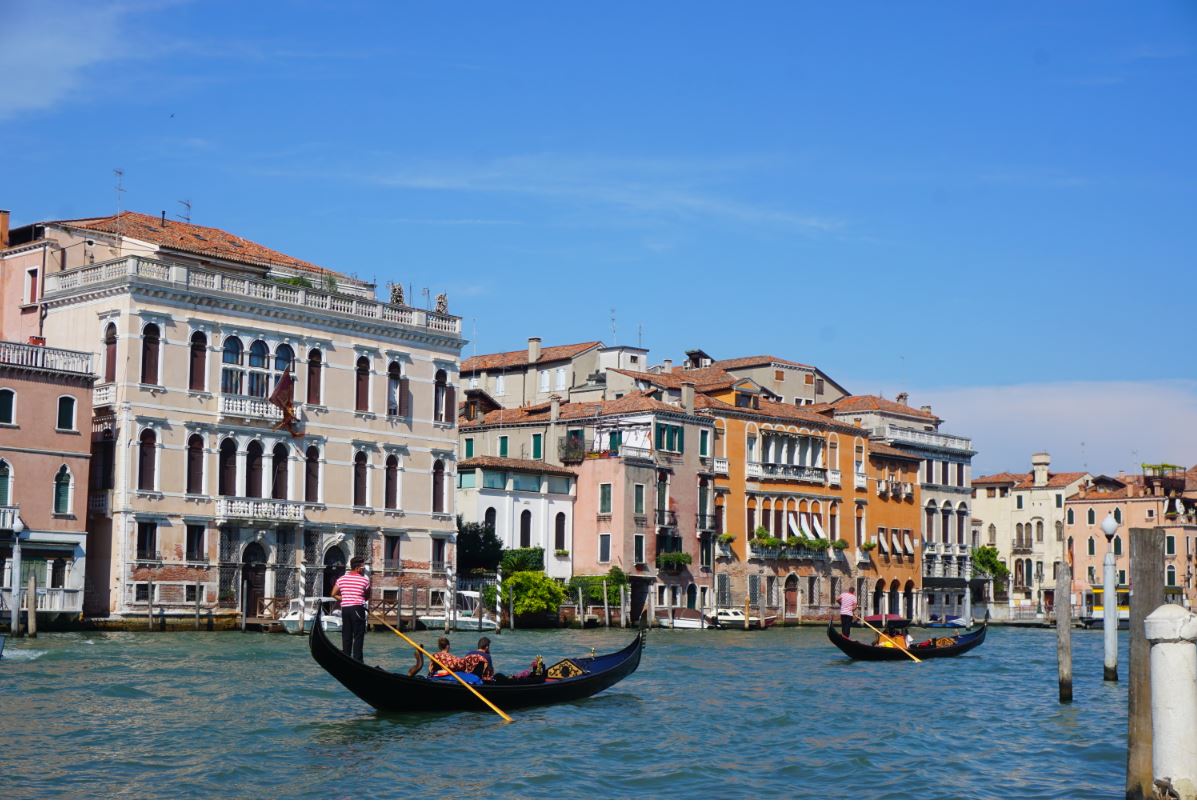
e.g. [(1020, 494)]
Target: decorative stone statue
[(442, 304), (396, 293)]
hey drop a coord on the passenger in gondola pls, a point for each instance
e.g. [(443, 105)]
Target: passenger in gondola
[(443, 659), (482, 663)]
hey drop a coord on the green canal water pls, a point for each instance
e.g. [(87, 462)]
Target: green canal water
[(773, 714)]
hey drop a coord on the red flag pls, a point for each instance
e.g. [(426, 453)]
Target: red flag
[(282, 398)]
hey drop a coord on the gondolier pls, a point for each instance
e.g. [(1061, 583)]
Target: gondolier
[(351, 590), (847, 601)]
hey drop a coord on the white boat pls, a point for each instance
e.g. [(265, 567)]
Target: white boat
[(733, 618), (683, 618), (465, 617), (301, 612)]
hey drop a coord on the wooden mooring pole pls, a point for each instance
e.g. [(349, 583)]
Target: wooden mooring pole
[(199, 595), (1063, 607), (31, 611), (606, 607), (1147, 579), (149, 605), (581, 610), (623, 607)]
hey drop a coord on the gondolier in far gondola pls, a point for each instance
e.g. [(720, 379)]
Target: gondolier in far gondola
[(847, 600), (351, 590)]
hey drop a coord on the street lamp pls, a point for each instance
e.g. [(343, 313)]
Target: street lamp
[(18, 528), (1110, 622)]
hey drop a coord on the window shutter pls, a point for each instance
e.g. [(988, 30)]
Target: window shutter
[(451, 405), (403, 402), (681, 439), (660, 436)]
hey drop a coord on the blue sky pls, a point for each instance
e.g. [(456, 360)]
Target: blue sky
[(950, 199)]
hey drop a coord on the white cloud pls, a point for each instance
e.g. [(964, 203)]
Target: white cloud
[(1102, 427)]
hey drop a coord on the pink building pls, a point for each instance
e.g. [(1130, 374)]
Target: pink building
[(45, 441), (1135, 501)]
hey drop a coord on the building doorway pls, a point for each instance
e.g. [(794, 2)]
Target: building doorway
[(791, 596), (253, 570), (334, 566)]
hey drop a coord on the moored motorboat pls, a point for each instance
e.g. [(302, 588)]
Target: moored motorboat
[(944, 646), (683, 618), (464, 618), (733, 618), (567, 680), (301, 612)]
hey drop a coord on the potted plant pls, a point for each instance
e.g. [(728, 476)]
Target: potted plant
[(673, 560), (562, 552)]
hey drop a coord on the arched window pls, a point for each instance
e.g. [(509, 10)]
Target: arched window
[(1118, 514), (227, 479), (559, 532), (438, 486), (929, 525), (394, 389), (197, 374), (391, 488), (1039, 531), (525, 529), (5, 484), (1018, 535), (62, 491), (253, 470), (946, 512), (490, 517), (259, 373), (993, 534), (149, 354), (362, 385), (444, 399), (110, 353), (311, 475), (145, 460), (1070, 517), (315, 362), (8, 406), (1059, 531), (284, 361), (231, 378), (66, 413), (1091, 517), (1117, 544), (195, 464), (279, 460), (1171, 575), (359, 479), (1092, 549)]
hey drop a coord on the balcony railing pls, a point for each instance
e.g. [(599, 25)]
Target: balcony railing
[(903, 434), (250, 509), (633, 452), (103, 395), (99, 502), (7, 516), (250, 408), (833, 477), (439, 567), (571, 450), (1022, 547), (39, 357), (861, 481), (666, 518), (704, 522), (200, 281), (148, 556), (721, 466), (779, 470)]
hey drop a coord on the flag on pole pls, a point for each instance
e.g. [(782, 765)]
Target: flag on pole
[(282, 398)]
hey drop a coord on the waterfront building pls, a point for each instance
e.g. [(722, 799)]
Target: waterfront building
[(532, 375), (206, 492), (1024, 515), (45, 433), (791, 382), (1163, 497), (642, 478), (944, 487)]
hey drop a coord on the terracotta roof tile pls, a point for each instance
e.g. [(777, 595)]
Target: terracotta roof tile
[(506, 463), (883, 450), (513, 359), (761, 360), (537, 413), (771, 409), (205, 240), (1026, 481), (999, 479), (875, 403), (705, 379)]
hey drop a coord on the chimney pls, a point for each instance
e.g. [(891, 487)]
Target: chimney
[(667, 366), (1039, 464), (904, 399), (533, 350), (164, 218), (688, 397), (3, 228), (554, 407), (926, 408)]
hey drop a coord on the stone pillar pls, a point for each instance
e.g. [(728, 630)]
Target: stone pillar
[(1172, 632)]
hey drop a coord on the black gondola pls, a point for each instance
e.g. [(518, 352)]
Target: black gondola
[(964, 642), (392, 692)]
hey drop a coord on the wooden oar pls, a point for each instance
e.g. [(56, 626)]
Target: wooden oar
[(470, 687), (888, 638)]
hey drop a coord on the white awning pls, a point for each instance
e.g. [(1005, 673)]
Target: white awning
[(909, 545), (804, 523), (794, 526), (818, 528), (884, 541)]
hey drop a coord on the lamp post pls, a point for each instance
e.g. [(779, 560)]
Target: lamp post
[(1109, 613), (18, 529)]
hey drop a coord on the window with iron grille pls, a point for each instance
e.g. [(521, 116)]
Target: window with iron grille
[(722, 590)]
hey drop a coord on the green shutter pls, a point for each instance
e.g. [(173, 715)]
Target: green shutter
[(469, 447), (536, 447), (614, 441), (3, 484), (6, 397), (502, 446), (681, 439), (66, 413), (660, 436), (703, 443), (62, 493)]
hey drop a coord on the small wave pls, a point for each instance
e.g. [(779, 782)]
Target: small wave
[(22, 654)]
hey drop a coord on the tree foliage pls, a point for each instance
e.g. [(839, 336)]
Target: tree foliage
[(986, 562), (478, 548), (592, 586), (532, 593), (522, 560)]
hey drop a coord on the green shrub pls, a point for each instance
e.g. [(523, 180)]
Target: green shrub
[(521, 560), (673, 560), (592, 586), (533, 593)]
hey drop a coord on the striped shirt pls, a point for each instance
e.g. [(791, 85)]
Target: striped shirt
[(354, 588), (847, 603)]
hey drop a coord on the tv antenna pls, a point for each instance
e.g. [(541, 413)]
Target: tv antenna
[(186, 215), (614, 339), (427, 297), (639, 335), (120, 190)]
